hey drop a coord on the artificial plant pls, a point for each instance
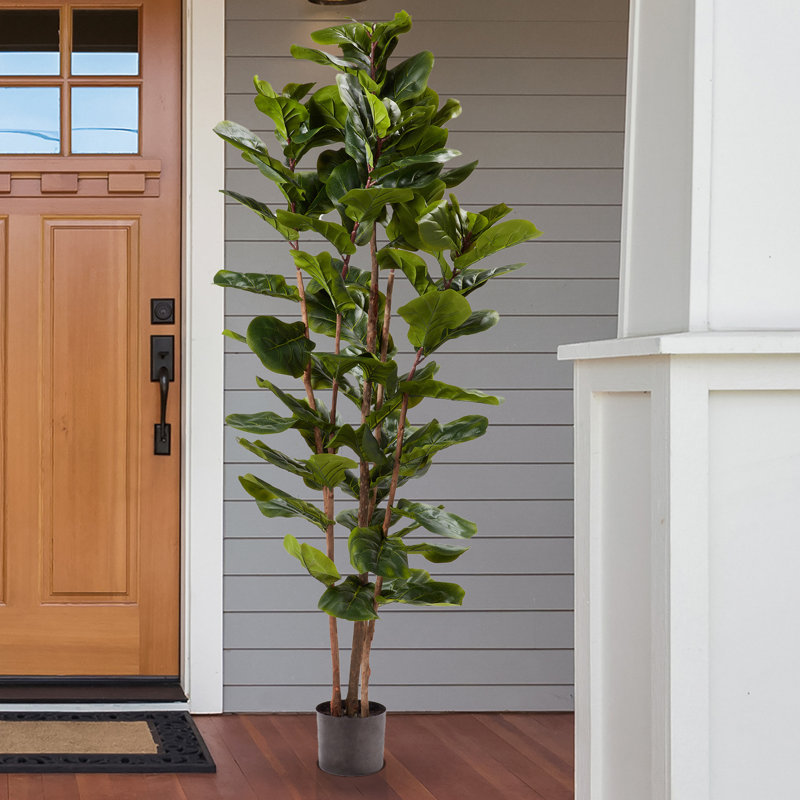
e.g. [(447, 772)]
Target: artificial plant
[(362, 167)]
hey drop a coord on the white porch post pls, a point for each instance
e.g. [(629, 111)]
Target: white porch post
[(688, 425)]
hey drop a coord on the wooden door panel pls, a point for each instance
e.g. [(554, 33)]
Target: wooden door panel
[(90, 408), (89, 515)]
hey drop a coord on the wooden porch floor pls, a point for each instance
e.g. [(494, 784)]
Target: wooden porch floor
[(272, 757)]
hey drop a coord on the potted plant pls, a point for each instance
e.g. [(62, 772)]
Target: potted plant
[(362, 162)]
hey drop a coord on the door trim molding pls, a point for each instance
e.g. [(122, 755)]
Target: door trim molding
[(203, 376)]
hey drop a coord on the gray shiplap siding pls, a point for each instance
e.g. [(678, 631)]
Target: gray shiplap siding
[(542, 83)]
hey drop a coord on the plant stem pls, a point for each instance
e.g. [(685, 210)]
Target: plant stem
[(351, 704), (365, 668)]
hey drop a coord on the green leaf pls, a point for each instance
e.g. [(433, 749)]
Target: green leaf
[(437, 553), (325, 107), (354, 33), (323, 271), (421, 445), (315, 561), (383, 372), (297, 91), (441, 229), (371, 552), (299, 408), (436, 520), (263, 211), (361, 441), (256, 282), (336, 234), (380, 116), (421, 590), (240, 137), (409, 79), (498, 237), (270, 106), (260, 422), (282, 461), (453, 177), (476, 322), (318, 57), (237, 337), (273, 502), (343, 178), (445, 391), (469, 280), (366, 205), (430, 315), (412, 265), (450, 110), (350, 600), (329, 469), (282, 347), (439, 156)]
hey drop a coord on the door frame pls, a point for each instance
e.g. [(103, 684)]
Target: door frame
[(203, 361)]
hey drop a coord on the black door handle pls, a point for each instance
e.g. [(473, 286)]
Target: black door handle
[(162, 367)]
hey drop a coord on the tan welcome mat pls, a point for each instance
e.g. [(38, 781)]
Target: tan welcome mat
[(165, 741)]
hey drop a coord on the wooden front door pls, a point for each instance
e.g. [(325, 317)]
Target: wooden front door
[(90, 170)]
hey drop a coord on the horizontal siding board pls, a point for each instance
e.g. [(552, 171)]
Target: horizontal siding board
[(560, 260), (511, 295), (432, 667), (452, 38), (483, 592), (511, 334), (557, 223), (520, 518), (534, 116), (543, 444), (409, 628), (494, 556), (423, 10), (521, 407), (457, 77), (482, 697), (485, 186), (446, 481)]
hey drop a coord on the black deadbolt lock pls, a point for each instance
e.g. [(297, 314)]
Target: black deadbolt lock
[(162, 311)]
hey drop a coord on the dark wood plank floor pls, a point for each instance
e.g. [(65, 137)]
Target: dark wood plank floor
[(273, 757)]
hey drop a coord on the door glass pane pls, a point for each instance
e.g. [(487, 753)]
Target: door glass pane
[(29, 42), (105, 42), (105, 119), (30, 119)]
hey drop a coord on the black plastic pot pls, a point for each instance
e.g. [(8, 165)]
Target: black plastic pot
[(351, 746)]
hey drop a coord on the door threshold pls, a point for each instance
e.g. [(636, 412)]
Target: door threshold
[(90, 689)]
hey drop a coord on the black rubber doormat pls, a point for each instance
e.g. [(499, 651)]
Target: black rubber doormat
[(130, 741)]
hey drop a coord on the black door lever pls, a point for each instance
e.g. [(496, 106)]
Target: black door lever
[(162, 369)]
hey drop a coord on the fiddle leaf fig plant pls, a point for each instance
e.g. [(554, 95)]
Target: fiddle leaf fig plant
[(361, 165)]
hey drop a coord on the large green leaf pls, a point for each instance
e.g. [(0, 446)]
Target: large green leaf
[(412, 265), (361, 441), (430, 315), (323, 271), (258, 283), (439, 156), (370, 551), (349, 600), (366, 205), (409, 79), (336, 234), (442, 228), (441, 553), (469, 280), (437, 520), (476, 322), (453, 177), (273, 502), (319, 566), (496, 238), (325, 107), (282, 461), (428, 440), (383, 372), (261, 422), (354, 33), (318, 57), (445, 391), (330, 469), (450, 110), (300, 408), (421, 590), (263, 211), (282, 347), (240, 137)]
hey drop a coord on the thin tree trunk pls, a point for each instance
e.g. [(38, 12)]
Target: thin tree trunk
[(351, 704), (365, 668)]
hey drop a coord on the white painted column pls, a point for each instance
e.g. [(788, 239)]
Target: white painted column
[(688, 425)]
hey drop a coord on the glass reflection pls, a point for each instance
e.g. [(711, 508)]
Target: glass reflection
[(105, 119), (30, 119), (105, 42), (29, 42)]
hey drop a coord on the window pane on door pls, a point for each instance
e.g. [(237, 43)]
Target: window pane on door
[(105, 42), (29, 42), (30, 119), (105, 119)]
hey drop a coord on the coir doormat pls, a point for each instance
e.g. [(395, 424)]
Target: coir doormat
[(131, 741)]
